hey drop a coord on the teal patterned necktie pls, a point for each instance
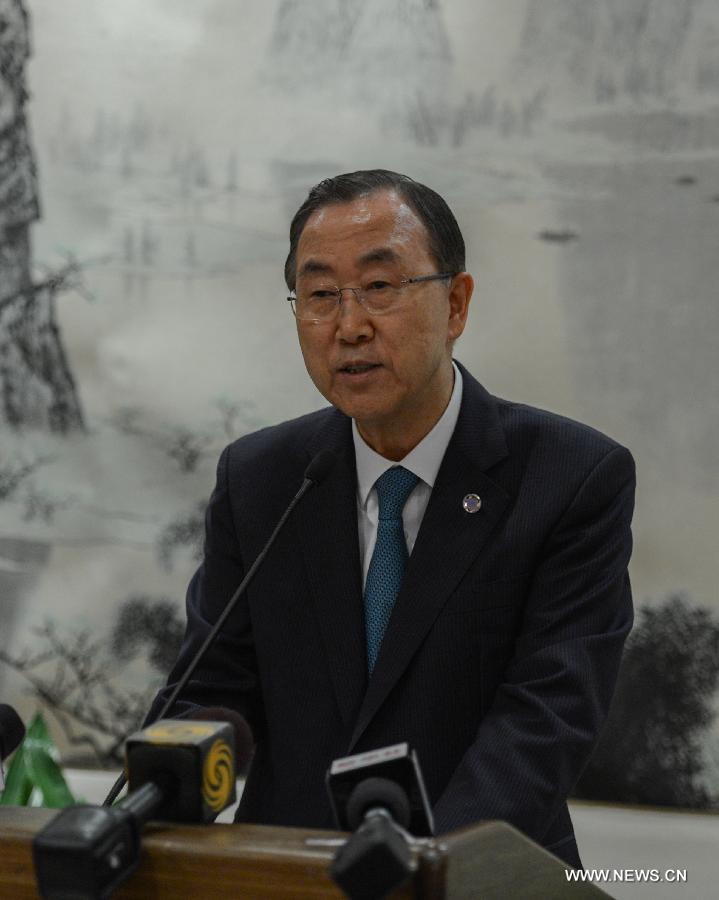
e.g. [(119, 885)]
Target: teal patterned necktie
[(389, 557)]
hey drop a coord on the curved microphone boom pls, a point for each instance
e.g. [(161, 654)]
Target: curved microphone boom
[(316, 471)]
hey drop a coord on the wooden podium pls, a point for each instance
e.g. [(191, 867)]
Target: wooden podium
[(491, 861)]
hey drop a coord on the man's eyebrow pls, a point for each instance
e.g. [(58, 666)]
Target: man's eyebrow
[(312, 266), (380, 254)]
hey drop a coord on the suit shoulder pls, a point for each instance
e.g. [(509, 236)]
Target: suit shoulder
[(276, 445), (549, 432)]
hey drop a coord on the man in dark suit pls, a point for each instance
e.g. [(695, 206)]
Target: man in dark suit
[(457, 581)]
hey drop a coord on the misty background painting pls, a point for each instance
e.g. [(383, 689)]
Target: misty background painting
[(152, 154)]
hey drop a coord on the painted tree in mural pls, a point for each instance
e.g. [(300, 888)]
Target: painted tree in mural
[(82, 677), (36, 385), (651, 748)]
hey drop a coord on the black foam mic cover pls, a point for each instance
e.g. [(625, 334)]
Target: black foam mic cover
[(378, 792), (319, 467), (12, 731), (244, 742)]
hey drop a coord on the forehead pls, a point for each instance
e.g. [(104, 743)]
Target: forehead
[(348, 233)]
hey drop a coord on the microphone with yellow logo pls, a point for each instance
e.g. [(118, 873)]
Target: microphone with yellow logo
[(178, 770), (190, 765)]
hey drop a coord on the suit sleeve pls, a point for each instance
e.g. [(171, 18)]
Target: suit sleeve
[(538, 734), (228, 674)]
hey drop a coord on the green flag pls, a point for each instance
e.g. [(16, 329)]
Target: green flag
[(33, 767)]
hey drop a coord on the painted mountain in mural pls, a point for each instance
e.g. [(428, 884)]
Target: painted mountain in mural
[(373, 42), (635, 49), (309, 39), (400, 43), (391, 55)]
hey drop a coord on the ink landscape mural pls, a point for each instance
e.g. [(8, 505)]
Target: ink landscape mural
[(151, 156)]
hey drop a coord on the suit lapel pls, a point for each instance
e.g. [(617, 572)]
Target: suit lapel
[(326, 526), (449, 540)]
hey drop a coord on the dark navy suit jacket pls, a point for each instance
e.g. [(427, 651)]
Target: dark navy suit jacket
[(500, 657)]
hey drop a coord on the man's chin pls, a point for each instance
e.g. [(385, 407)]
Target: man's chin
[(362, 401), (368, 416)]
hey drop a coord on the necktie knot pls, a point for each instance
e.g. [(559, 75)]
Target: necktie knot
[(393, 488)]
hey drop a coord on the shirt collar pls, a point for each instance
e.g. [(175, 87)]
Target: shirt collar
[(424, 460)]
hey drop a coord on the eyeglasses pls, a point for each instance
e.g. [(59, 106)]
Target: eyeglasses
[(318, 302)]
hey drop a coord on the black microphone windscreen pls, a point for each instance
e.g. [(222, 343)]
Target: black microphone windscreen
[(378, 792), (320, 466), (12, 731), (244, 742)]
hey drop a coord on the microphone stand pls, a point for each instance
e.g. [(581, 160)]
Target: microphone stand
[(314, 473)]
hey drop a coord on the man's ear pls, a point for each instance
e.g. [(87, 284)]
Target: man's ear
[(460, 293)]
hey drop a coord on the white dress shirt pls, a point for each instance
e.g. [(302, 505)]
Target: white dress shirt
[(424, 460)]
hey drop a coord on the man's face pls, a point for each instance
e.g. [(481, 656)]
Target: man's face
[(392, 373)]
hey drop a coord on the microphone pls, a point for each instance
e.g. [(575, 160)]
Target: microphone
[(396, 764), (244, 741), (319, 467), (316, 471), (12, 731), (380, 797), (180, 770), (376, 860)]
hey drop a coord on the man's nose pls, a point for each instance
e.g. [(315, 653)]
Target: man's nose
[(353, 321)]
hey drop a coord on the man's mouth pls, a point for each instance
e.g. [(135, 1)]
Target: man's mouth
[(359, 368)]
